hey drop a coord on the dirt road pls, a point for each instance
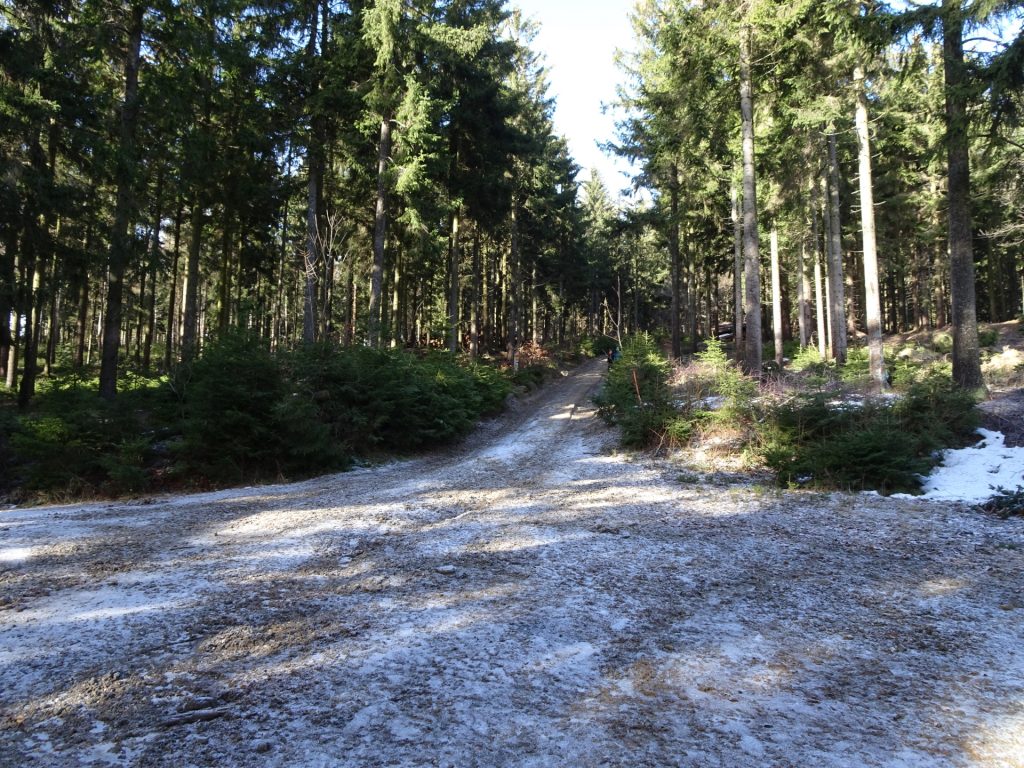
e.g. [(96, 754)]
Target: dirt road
[(530, 599)]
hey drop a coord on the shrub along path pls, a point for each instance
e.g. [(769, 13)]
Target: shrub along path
[(530, 599)]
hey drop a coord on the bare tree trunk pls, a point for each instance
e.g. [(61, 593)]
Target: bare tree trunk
[(7, 296), (837, 300), (692, 294), (474, 319), (737, 274), (535, 301), (872, 303), (803, 292), (147, 343), (514, 288), (675, 265), (822, 335), (53, 328), (380, 228), (311, 255), (82, 324), (27, 385), (776, 295), (314, 169), (751, 244), (454, 244), (396, 283), (350, 302), (190, 321), (120, 246), (966, 349), (172, 293)]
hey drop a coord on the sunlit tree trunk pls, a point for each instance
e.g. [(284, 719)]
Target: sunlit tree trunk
[(837, 293), (776, 295), (737, 273), (190, 320), (380, 227), (751, 245), (675, 265), (478, 283), (872, 303), (514, 288), (453, 282), (966, 351)]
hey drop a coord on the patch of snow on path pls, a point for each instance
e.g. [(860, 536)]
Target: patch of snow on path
[(973, 474)]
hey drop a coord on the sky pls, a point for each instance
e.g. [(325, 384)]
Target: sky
[(578, 39)]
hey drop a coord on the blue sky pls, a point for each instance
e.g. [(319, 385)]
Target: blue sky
[(578, 39)]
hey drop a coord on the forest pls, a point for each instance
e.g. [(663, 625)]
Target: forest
[(212, 207)]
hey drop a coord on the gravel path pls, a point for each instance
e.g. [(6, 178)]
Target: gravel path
[(531, 599)]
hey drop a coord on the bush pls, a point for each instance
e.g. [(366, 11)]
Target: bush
[(74, 443), (239, 413), (988, 337), (392, 400), (636, 395), (230, 399), (882, 445), (598, 346), (729, 382), (942, 343), (529, 376)]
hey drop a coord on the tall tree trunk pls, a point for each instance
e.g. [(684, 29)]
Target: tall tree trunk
[(380, 227), (53, 328), (692, 294), (7, 294), (675, 265), (872, 303), (751, 242), (514, 288), (14, 320), (454, 244), (172, 293), (535, 300), (314, 169), (837, 293), (803, 292), (350, 301), (474, 315), (311, 255), (82, 324), (120, 241), (396, 288), (820, 306), (190, 321), (737, 274), (27, 385), (154, 264), (224, 289), (966, 351), (776, 295)]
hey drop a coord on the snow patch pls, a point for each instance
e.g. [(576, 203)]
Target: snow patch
[(973, 474)]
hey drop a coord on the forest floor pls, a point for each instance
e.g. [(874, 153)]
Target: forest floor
[(532, 598)]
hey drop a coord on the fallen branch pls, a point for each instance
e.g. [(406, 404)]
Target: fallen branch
[(198, 716)]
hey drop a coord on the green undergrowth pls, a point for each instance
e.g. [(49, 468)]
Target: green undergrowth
[(241, 414), (814, 438), (636, 395)]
